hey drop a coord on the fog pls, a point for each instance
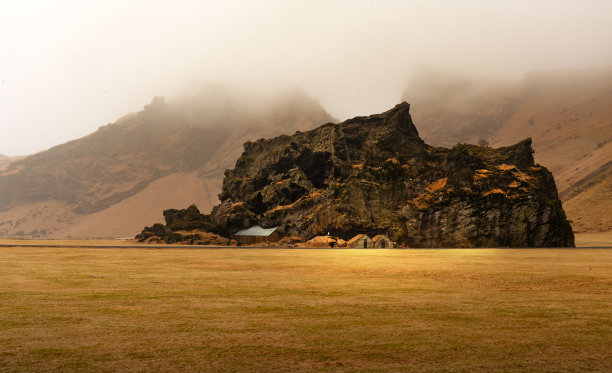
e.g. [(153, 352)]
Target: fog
[(68, 67)]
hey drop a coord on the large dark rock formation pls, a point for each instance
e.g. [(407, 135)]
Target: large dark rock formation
[(375, 175)]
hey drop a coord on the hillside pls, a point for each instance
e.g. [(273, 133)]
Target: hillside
[(5, 161), (375, 175), (567, 114), (120, 177)]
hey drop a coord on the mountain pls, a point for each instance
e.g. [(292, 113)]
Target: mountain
[(567, 114), (120, 177), (5, 161), (375, 175)]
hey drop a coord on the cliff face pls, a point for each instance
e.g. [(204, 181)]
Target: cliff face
[(567, 113), (375, 175)]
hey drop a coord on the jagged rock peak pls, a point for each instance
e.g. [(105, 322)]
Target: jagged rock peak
[(156, 104), (398, 117)]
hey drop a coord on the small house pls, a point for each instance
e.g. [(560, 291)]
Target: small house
[(382, 242), (322, 241), (257, 234), (360, 241)]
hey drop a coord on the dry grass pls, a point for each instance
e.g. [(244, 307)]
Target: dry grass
[(67, 242), (305, 310)]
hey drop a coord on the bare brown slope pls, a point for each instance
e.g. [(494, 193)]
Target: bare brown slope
[(113, 181), (5, 161), (568, 115)]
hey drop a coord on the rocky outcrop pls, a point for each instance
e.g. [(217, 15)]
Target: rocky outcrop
[(375, 175), (567, 113), (187, 226)]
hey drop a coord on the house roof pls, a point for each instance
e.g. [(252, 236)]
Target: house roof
[(357, 237), (256, 231), (378, 237)]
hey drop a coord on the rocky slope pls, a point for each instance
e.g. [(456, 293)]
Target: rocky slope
[(121, 177), (376, 175), (568, 114)]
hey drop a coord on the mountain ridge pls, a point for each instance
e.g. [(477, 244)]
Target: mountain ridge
[(112, 166)]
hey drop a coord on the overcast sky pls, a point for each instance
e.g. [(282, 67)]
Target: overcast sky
[(68, 67)]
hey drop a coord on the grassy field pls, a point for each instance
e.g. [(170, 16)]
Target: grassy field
[(246, 310)]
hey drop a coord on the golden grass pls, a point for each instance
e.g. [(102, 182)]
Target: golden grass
[(67, 242), (246, 310)]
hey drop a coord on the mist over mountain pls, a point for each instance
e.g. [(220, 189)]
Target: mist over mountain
[(4, 160), (171, 153), (567, 113), (174, 152)]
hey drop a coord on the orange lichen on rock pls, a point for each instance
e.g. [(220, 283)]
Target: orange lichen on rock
[(393, 160), (481, 174), (310, 216), (292, 205), (523, 177), (436, 186), (367, 181), (514, 184), (358, 166), (506, 167), (424, 200), (494, 191)]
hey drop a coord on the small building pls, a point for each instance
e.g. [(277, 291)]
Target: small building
[(382, 242), (321, 241), (257, 234), (360, 241)]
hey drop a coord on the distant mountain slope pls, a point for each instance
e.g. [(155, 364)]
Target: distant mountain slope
[(5, 161), (167, 154), (568, 115)]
